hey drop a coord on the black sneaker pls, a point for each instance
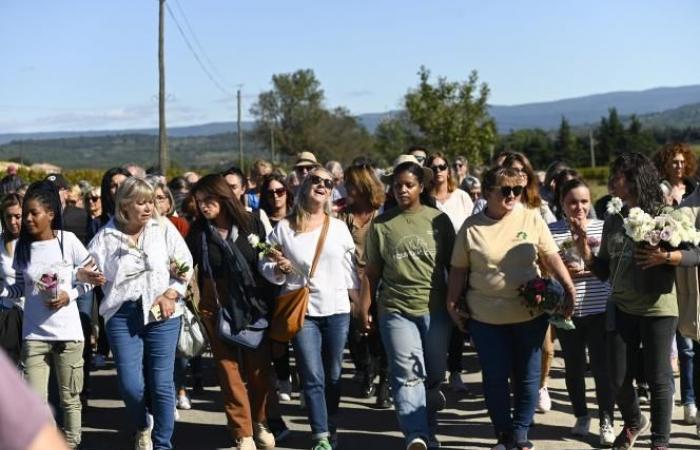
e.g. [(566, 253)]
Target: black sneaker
[(643, 394), (383, 396), (628, 436), (505, 442)]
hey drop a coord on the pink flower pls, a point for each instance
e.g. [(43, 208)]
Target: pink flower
[(539, 285), (48, 282)]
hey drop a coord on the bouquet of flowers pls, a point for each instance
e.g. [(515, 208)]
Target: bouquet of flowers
[(546, 295), (48, 284), (570, 253), (179, 269), (670, 229), (265, 248)]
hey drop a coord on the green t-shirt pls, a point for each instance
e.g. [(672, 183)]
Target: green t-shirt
[(412, 251)]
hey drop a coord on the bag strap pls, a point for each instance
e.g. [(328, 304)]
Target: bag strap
[(319, 245)]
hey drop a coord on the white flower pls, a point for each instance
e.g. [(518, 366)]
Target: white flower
[(253, 240), (614, 206)]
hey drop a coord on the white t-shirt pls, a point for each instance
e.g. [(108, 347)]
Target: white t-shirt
[(458, 207), (42, 323), (335, 274)]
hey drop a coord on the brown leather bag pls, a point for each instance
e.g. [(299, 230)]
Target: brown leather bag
[(290, 308)]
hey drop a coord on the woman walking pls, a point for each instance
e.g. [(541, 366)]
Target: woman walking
[(46, 258), (589, 315), (495, 252), (319, 345), (142, 306), (644, 303), (229, 278), (407, 252)]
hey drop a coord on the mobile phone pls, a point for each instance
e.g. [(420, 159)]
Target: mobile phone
[(156, 311)]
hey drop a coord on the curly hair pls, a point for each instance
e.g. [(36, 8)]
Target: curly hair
[(531, 193), (666, 154), (642, 179)]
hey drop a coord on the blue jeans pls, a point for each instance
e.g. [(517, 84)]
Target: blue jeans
[(318, 347), (145, 349), (505, 350), (685, 363), (416, 348)]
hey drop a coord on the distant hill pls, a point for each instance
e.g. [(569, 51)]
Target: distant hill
[(547, 115), (682, 117)]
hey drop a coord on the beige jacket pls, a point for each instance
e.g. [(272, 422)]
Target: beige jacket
[(687, 286)]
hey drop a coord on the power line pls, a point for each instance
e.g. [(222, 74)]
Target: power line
[(196, 40), (196, 56)]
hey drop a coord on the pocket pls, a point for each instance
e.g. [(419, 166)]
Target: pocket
[(75, 379)]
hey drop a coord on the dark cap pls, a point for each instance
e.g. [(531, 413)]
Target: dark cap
[(58, 180)]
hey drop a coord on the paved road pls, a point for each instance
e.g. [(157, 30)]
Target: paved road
[(464, 423)]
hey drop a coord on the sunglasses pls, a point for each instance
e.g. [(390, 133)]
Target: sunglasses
[(326, 182), (94, 198), (515, 190), (439, 167), (279, 192)]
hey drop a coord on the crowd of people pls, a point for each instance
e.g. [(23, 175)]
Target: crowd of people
[(417, 261)]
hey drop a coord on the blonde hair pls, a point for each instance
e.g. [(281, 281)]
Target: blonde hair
[(132, 190), (300, 211)]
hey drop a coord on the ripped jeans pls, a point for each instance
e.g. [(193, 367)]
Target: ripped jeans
[(416, 348), (66, 357)]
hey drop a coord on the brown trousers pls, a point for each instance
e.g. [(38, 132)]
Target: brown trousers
[(237, 367)]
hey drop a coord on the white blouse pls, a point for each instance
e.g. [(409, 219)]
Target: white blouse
[(336, 271), (7, 274), (141, 271), (458, 207)]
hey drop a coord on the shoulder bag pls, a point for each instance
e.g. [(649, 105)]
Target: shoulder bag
[(290, 308)]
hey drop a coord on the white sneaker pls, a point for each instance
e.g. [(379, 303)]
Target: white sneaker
[(690, 413), (177, 414), (183, 402), (582, 426), (607, 434), (262, 436), (456, 384), (417, 444), (143, 440), (544, 403), (284, 390), (245, 443), (149, 422)]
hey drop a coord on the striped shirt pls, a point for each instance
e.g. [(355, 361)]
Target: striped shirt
[(591, 293)]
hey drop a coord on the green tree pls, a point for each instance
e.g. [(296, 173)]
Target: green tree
[(566, 145), (535, 143), (392, 137), (610, 137), (452, 116), (638, 139)]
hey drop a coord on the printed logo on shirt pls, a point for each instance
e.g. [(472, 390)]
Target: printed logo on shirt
[(412, 246)]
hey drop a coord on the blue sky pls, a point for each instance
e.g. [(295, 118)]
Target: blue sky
[(79, 64)]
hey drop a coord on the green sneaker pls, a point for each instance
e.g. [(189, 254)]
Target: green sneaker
[(322, 444)]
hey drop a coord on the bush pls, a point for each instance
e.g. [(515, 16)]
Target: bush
[(598, 174)]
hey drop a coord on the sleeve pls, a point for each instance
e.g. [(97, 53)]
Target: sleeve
[(80, 258), (178, 251), (601, 263), (467, 203), (266, 266), (15, 290), (96, 249), (372, 247), (460, 250), (547, 213), (545, 242), (448, 241), (352, 281)]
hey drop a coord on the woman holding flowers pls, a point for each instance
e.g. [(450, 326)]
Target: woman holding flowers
[(142, 306), (643, 300), (319, 345), (407, 253), (589, 314), (46, 259), (222, 241), (495, 252)]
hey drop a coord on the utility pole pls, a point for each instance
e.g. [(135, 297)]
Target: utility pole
[(162, 136), (240, 132), (591, 144)]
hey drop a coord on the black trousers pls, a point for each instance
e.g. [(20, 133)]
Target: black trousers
[(655, 335), (589, 334)]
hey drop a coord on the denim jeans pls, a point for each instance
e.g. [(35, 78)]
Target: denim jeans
[(416, 347), (140, 349), (685, 362), (655, 335), (504, 351), (85, 303), (318, 347)]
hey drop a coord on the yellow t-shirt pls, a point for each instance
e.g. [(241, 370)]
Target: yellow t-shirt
[(501, 255)]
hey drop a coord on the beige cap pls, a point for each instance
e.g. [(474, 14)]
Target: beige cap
[(427, 172)]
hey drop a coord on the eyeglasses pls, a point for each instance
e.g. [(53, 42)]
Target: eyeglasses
[(161, 198), (326, 182), (458, 165), (93, 198), (439, 167), (279, 192), (515, 190)]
